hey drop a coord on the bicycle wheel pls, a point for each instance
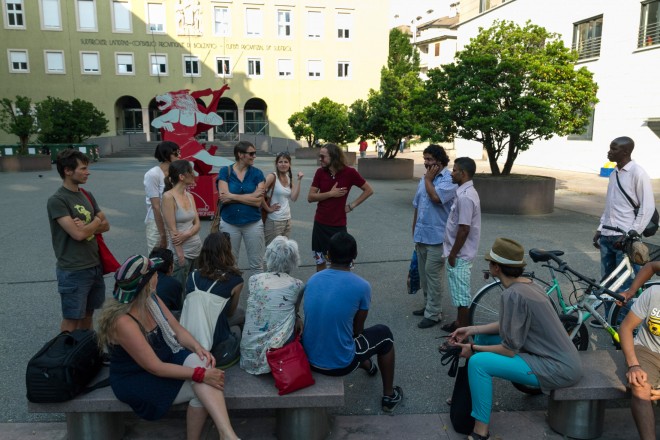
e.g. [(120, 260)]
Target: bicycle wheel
[(581, 338), (485, 307), (618, 313)]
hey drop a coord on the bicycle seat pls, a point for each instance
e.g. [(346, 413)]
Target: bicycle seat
[(542, 255)]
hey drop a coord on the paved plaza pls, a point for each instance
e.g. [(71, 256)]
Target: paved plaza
[(30, 306)]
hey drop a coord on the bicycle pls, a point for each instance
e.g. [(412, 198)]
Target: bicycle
[(585, 297)]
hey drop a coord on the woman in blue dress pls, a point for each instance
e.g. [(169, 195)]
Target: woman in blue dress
[(154, 361)]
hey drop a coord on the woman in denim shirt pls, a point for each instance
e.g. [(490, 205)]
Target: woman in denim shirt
[(241, 190)]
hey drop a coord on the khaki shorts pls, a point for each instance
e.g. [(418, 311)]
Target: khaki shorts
[(650, 362)]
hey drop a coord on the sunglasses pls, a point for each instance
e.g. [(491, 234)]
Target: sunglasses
[(282, 154), (251, 153)]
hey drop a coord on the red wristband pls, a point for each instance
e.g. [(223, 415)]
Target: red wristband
[(198, 375)]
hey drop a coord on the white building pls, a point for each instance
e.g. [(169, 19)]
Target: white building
[(619, 41)]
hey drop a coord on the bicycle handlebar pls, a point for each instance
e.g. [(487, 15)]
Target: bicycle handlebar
[(630, 234), (541, 255)]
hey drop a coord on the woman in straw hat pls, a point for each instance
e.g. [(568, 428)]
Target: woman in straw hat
[(528, 345), (154, 361)]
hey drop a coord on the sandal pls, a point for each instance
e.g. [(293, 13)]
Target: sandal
[(475, 436)]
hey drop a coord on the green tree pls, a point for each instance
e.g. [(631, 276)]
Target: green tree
[(69, 122), (402, 57), (301, 129), (18, 118), (508, 87), (325, 120)]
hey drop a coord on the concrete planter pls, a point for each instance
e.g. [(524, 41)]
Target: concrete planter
[(386, 169), (313, 153), (25, 163), (515, 194)]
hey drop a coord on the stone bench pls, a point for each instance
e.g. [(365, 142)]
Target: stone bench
[(579, 411), (299, 415)]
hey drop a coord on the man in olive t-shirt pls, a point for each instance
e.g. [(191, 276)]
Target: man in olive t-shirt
[(74, 219)]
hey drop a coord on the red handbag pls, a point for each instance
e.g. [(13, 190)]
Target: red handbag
[(290, 367), (108, 261)]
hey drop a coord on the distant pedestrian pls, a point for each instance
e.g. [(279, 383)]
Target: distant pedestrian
[(363, 148), (380, 147), (75, 218), (330, 187)]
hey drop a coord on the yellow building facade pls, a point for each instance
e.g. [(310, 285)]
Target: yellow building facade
[(276, 56)]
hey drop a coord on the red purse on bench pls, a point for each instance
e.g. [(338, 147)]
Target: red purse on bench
[(290, 367)]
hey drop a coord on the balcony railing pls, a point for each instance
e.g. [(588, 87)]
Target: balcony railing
[(589, 48), (649, 35)]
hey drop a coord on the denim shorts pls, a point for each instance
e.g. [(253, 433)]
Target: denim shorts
[(81, 291)]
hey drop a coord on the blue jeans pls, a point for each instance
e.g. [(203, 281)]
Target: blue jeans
[(610, 258)]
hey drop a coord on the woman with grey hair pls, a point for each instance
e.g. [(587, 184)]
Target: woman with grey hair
[(272, 305)]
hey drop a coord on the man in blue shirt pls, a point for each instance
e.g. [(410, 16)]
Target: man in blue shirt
[(336, 307), (432, 202)]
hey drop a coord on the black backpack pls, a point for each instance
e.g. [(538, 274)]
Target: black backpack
[(63, 367)]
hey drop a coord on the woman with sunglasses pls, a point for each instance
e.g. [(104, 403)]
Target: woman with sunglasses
[(181, 218), (241, 191), (280, 184)]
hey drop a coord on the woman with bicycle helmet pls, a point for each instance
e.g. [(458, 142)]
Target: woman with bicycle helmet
[(528, 345)]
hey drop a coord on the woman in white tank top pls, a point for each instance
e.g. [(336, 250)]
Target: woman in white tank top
[(281, 187)]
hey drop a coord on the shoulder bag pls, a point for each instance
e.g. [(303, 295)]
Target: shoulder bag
[(267, 197), (652, 227), (215, 223), (290, 367), (108, 261)]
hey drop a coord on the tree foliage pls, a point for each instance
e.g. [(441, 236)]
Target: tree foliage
[(508, 87), (18, 118), (324, 120), (389, 111), (402, 57), (69, 122)]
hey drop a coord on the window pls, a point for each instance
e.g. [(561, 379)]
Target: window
[(285, 68), (437, 49), (343, 69), (586, 37), (588, 132), (86, 15), (18, 61), (314, 24), (649, 25), (283, 24), (90, 63), (254, 67), (484, 5), (253, 22), (125, 64), (344, 25), (191, 66), (14, 14), (155, 18), (50, 15), (158, 63), (222, 21), (314, 69), (121, 16), (223, 67), (54, 61)]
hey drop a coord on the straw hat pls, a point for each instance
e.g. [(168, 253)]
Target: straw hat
[(507, 252)]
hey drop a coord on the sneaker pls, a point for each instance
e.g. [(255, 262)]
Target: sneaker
[(595, 324), (391, 402)]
